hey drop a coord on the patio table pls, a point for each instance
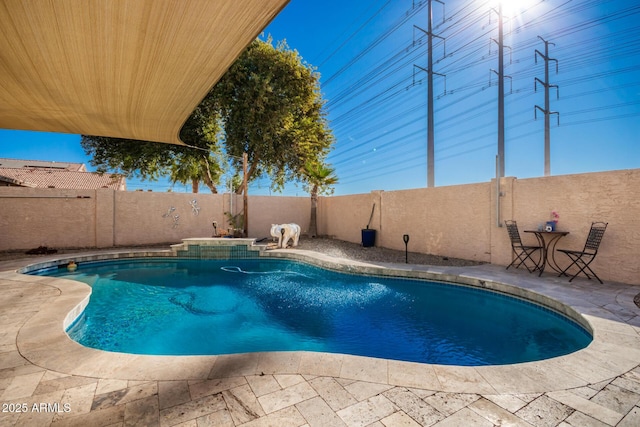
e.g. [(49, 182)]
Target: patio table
[(548, 240)]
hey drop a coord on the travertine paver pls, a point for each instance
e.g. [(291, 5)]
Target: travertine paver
[(509, 402), (263, 384), (142, 412), (545, 412), (287, 397), (417, 408), (496, 414), (22, 386), (368, 411), (578, 419), (221, 418), (631, 419), (464, 417), (317, 413), (79, 398), (399, 419), (199, 389), (362, 390), (191, 410), (334, 394), (243, 404), (588, 407), (107, 385), (303, 389), (450, 403), (172, 393), (617, 398)]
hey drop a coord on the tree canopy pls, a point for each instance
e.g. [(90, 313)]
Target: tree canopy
[(272, 109), (200, 162), (268, 105)]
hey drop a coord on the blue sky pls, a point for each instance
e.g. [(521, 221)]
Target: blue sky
[(370, 55)]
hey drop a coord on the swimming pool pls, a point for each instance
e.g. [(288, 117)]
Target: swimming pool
[(189, 307)]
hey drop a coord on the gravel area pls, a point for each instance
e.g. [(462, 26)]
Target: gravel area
[(331, 247), (348, 250)]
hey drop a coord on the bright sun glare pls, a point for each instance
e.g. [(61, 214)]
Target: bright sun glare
[(512, 8)]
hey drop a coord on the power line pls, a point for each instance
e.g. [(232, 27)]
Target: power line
[(378, 100)]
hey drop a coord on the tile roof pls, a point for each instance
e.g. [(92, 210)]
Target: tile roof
[(48, 178), (19, 163)]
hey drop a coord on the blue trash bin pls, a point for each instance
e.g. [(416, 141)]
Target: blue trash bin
[(368, 237)]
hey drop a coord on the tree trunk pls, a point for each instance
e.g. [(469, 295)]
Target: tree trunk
[(210, 184), (252, 168), (313, 222), (195, 185), (208, 180)]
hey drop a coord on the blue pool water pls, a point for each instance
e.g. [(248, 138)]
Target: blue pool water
[(196, 307)]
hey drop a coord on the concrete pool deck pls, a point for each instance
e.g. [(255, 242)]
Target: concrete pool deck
[(48, 379)]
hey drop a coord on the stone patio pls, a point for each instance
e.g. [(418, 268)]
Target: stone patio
[(48, 379)]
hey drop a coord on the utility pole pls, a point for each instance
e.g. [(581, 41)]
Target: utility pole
[(546, 111), (501, 77), (245, 197), (500, 93), (430, 73)]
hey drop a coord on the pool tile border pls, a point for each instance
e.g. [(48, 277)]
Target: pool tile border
[(614, 350)]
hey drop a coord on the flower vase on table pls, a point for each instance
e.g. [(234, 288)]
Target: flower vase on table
[(551, 225)]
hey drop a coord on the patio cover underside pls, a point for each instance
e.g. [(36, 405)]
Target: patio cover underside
[(121, 68)]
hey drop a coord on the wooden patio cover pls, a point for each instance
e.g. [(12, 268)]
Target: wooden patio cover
[(122, 68)]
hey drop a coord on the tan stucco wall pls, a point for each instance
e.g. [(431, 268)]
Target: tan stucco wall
[(460, 221), (456, 221), (105, 218), (612, 197), (267, 210), (343, 217), (54, 218), (59, 219), (144, 218), (449, 221)]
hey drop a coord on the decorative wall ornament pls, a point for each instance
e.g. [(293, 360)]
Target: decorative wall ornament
[(176, 218), (169, 212), (195, 209)]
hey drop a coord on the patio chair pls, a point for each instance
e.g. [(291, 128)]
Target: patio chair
[(522, 252), (583, 258)]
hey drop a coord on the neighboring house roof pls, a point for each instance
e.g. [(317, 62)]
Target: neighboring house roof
[(19, 163), (129, 68), (49, 178)]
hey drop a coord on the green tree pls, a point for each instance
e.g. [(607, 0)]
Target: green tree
[(151, 160), (204, 162), (268, 104), (319, 179), (272, 109)]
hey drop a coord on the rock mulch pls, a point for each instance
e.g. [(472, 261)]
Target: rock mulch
[(354, 251)]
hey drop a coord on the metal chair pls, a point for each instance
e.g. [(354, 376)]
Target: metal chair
[(522, 252), (583, 258)]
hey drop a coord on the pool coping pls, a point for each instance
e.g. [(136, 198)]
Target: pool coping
[(614, 350)]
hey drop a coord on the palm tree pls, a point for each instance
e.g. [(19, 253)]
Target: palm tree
[(320, 178)]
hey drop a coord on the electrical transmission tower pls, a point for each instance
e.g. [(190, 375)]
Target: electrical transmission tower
[(546, 111), (430, 73), (501, 77)]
